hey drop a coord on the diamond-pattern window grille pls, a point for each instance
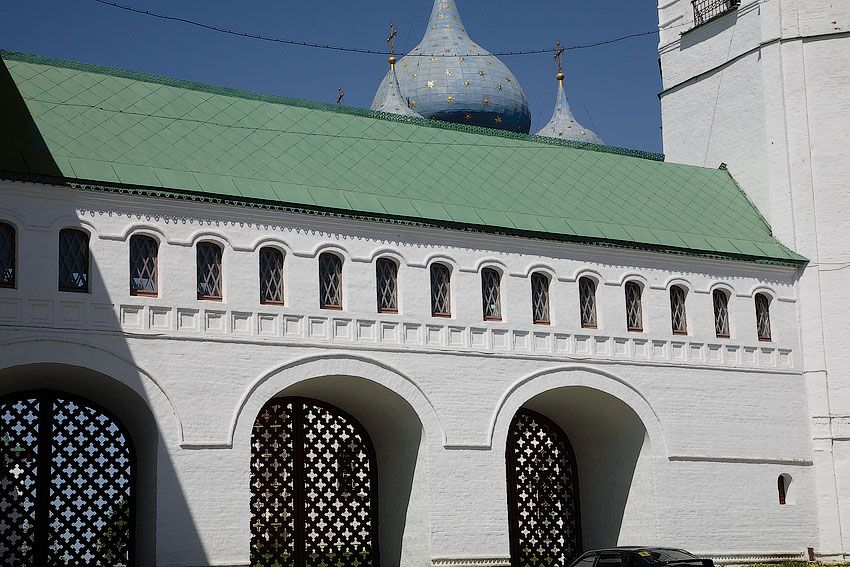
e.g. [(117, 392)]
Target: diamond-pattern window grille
[(540, 298), (271, 276), (7, 255), (144, 266), (441, 278), (330, 281), (209, 271), (491, 294), (634, 307), (705, 10), (763, 316), (677, 310), (73, 260), (587, 302), (721, 314), (386, 275)]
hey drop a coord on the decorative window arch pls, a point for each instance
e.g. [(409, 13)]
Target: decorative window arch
[(386, 277), (8, 255), (720, 298), (271, 276), (144, 265), (330, 281), (762, 301), (540, 298), (491, 294), (441, 290), (678, 312), (73, 260), (634, 306), (587, 302), (210, 271)]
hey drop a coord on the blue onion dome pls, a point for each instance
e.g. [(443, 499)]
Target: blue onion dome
[(563, 124), (389, 97), (450, 77)]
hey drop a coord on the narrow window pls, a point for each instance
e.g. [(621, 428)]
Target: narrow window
[(634, 307), (782, 489), (721, 314), (144, 262), (271, 276), (7, 255), (784, 486), (209, 271), (441, 282), (491, 293), (587, 302), (677, 310), (386, 273), (540, 298), (73, 260), (763, 316), (330, 281)]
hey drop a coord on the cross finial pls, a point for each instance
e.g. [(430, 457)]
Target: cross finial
[(340, 97), (391, 39), (559, 52)]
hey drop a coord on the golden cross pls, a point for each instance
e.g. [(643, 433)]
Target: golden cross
[(559, 51), (391, 39)]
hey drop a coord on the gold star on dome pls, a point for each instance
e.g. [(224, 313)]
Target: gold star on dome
[(451, 98), (500, 88), (486, 101), (508, 79), (412, 104), (498, 120), (442, 16), (481, 72), (430, 84), (461, 59), (466, 83), (468, 117), (405, 65), (449, 72)]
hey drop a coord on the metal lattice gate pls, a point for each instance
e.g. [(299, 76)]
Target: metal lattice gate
[(313, 489), (543, 495), (67, 483)]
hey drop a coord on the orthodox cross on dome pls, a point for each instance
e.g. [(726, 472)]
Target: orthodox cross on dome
[(559, 52), (391, 38)]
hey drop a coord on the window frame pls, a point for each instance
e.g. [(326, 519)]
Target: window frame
[(220, 249), (632, 284), (593, 285), (766, 300), (339, 265), (385, 260), (538, 278), (87, 238), (279, 254), (445, 269), (727, 296), (137, 293), (679, 332), (13, 231), (497, 278)]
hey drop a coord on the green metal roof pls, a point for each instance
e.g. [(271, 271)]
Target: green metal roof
[(119, 130)]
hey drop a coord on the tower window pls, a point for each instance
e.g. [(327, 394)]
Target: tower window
[(705, 10), (73, 260), (330, 281), (677, 310), (210, 271), (587, 302), (763, 316), (7, 255), (386, 273), (144, 260), (540, 298), (441, 291), (271, 276), (721, 314), (491, 291), (634, 307)]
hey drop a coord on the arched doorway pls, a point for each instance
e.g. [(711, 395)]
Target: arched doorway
[(543, 493), (313, 487), (67, 483)]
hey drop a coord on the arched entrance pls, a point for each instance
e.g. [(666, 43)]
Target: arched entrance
[(67, 483), (313, 487), (543, 493)]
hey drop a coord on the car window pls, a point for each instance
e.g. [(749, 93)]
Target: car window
[(610, 560), (665, 555), (585, 561)]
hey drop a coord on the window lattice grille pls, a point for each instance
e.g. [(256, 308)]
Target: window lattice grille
[(209, 271), (271, 276), (587, 302), (7, 255), (705, 10), (386, 273), (330, 281), (677, 309), (763, 316), (73, 260), (721, 314), (634, 307), (540, 298), (440, 290), (491, 293), (144, 261)]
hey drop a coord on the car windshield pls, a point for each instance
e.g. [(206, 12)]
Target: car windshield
[(665, 555)]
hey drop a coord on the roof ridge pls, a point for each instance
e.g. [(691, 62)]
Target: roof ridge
[(315, 105)]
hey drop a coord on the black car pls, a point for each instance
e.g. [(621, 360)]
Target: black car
[(640, 557)]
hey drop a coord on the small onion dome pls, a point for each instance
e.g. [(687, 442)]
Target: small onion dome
[(450, 77), (563, 124), (389, 97)]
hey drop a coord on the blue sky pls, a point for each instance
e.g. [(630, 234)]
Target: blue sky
[(613, 89)]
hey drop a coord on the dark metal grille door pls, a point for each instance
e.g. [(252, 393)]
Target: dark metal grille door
[(67, 483), (543, 494), (314, 499)]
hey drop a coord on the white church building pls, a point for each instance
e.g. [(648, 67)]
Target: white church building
[(239, 329)]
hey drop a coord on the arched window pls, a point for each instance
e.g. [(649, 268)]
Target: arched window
[(721, 314), (210, 271), (491, 294), (540, 298), (386, 275), (763, 316), (271, 276), (330, 281), (783, 485), (677, 310), (587, 302), (634, 307), (144, 265), (73, 260), (8, 255), (441, 290)]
